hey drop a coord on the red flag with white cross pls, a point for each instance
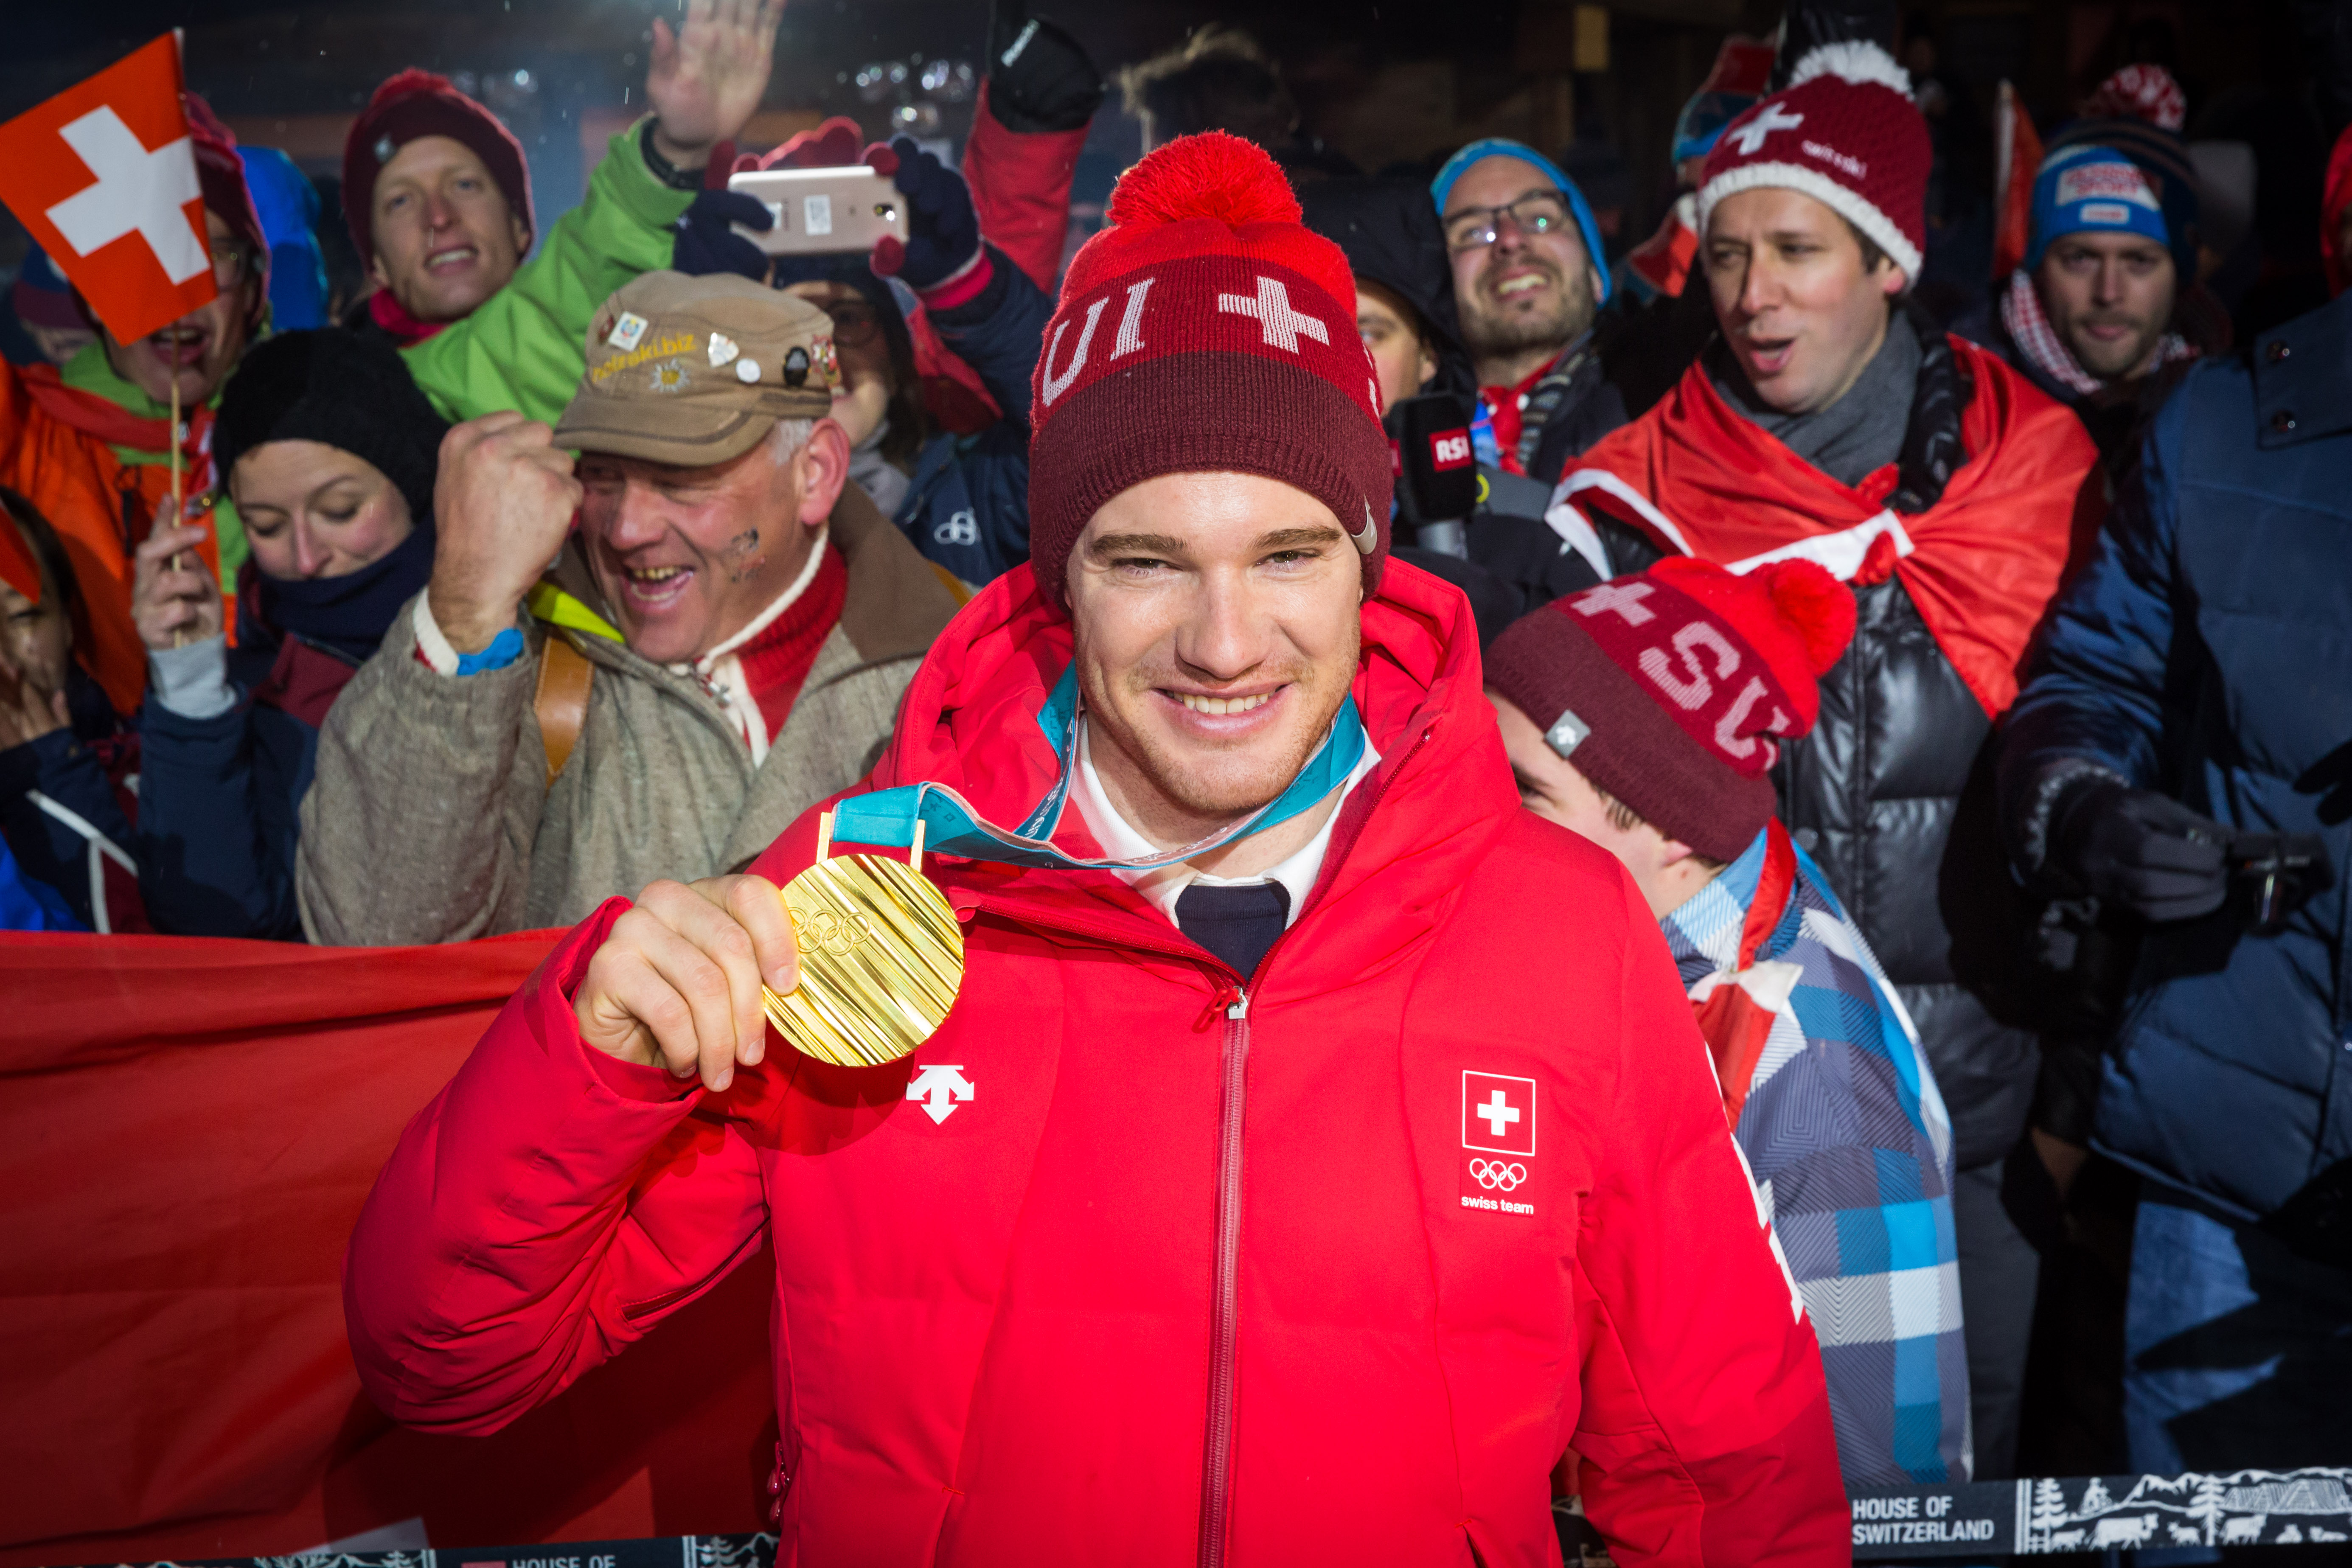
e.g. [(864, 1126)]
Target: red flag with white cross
[(104, 178)]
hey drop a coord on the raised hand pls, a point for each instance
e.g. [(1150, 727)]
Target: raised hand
[(706, 79), (676, 983), (173, 599), (503, 501), (942, 229)]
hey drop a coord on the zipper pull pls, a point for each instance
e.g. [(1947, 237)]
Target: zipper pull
[(1238, 1008)]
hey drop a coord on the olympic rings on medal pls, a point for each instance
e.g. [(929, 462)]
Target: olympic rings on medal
[(1497, 1173)]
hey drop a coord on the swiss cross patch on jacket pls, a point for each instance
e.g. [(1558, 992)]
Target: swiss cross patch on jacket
[(1483, 1202)]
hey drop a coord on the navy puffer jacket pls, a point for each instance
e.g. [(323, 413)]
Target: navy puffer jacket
[(2207, 654)]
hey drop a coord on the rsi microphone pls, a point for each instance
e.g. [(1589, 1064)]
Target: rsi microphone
[(1436, 477)]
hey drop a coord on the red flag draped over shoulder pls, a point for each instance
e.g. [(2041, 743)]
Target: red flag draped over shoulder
[(188, 1127), (1981, 565)]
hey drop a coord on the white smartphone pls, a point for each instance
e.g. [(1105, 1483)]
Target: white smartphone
[(822, 211)]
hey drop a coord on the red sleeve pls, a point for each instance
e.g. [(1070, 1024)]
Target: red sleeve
[(544, 1211), (1021, 189), (1704, 1429)]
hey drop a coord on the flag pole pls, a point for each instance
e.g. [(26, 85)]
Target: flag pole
[(179, 514)]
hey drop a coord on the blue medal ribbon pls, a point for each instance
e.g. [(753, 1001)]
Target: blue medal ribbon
[(950, 826)]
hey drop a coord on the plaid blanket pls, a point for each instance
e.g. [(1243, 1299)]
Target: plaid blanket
[(1852, 1151)]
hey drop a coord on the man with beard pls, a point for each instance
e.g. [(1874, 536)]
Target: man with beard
[(2105, 315), (1319, 1145), (1529, 276), (736, 623), (1832, 421)]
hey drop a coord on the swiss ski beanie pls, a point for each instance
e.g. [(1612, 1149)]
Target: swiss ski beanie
[(1671, 690), (1845, 132), (1206, 330)]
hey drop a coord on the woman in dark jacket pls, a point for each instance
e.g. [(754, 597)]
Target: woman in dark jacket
[(330, 451)]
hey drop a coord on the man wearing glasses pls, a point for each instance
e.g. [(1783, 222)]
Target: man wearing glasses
[(88, 442), (1529, 276)]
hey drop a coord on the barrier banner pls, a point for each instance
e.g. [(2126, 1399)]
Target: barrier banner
[(187, 1130), (2101, 1513)]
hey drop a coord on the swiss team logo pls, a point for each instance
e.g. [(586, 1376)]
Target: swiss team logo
[(1499, 1142), (1498, 1114)]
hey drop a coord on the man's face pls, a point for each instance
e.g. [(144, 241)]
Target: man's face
[(445, 239), (314, 510), (201, 348), (687, 557), (1391, 335), (1524, 291), (1797, 308), (1217, 628), (2109, 296)]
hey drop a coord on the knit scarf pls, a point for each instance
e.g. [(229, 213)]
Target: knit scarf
[(2030, 328)]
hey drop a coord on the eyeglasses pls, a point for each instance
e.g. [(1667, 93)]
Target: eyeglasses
[(1538, 212), (854, 326), (228, 262)]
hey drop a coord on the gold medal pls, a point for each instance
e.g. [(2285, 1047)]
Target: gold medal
[(881, 956)]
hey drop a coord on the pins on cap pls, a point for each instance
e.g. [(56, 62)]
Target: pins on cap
[(384, 148), (723, 350), (626, 332), (746, 371)]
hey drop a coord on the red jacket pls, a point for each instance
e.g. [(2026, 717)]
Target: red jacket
[(1142, 1244)]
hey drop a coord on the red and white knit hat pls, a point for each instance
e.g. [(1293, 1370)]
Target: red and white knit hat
[(1206, 330), (1672, 690), (1845, 132)]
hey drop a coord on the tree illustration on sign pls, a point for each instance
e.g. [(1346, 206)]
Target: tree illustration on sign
[(2049, 1508), (2206, 1506)]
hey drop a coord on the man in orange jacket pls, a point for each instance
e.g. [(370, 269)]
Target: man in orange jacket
[(1321, 1145)]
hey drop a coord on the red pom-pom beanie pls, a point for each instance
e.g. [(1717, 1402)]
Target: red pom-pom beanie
[(1845, 132), (418, 103), (1671, 690), (1206, 330)]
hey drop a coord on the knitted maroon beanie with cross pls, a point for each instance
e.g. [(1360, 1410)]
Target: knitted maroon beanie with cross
[(1206, 330), (1671, 690)]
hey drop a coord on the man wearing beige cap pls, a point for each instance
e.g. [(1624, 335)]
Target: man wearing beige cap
[(720, 641)]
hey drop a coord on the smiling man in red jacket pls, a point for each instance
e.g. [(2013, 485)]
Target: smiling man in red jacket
[(1321, 1145)]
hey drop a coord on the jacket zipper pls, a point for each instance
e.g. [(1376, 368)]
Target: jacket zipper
[(1217, 1450), (1216, 1464)]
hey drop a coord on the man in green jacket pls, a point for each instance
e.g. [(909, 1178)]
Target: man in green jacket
[(438, 199)]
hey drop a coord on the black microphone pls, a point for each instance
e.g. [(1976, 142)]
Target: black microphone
[(1436, 475)]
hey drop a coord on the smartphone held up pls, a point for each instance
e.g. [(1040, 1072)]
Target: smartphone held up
[(821, 212)]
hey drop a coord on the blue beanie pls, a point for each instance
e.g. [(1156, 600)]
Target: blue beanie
[(2168, 177), (1504, 147)]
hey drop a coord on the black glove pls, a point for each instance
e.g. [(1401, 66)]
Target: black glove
[(707, 243), (942, 231), (1049, 83), (2142, 851)]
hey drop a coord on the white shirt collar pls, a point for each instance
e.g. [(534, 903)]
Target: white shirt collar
[(722, 673), (1163, 887)]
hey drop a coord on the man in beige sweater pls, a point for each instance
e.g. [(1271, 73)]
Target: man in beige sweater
[(721, 641)]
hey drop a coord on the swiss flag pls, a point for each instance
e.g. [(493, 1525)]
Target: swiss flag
[(104, 178)]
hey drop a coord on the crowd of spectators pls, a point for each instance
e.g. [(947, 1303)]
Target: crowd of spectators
[(2001, 841)]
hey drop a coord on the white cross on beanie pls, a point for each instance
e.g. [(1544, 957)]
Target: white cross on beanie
[(1844, 131)]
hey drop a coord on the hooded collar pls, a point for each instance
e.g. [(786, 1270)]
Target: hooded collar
[(1402, 842)]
